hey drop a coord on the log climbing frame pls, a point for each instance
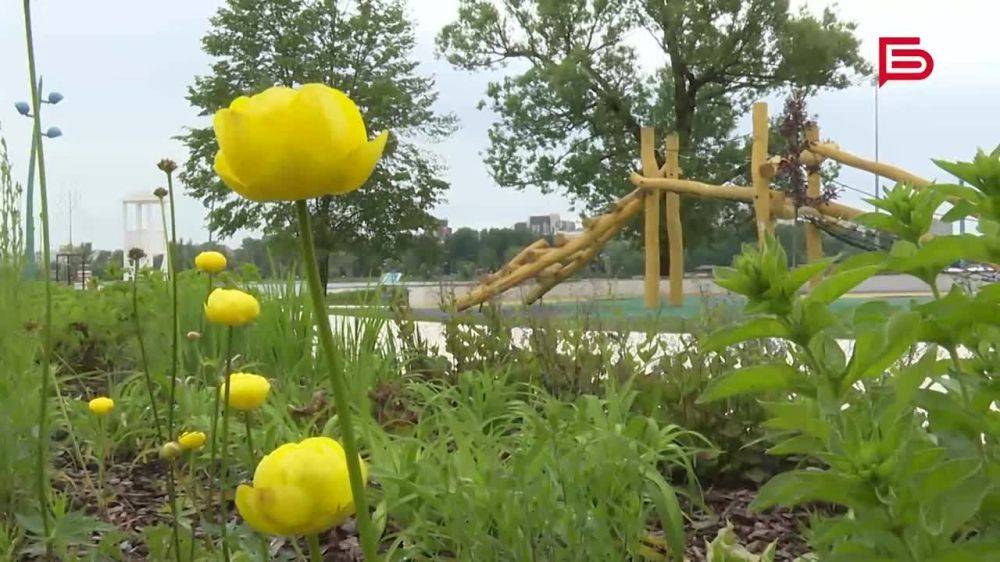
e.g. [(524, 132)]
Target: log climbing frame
[(658, 188)]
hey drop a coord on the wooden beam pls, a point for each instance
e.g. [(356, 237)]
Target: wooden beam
[(814, 243), (651, 226), (758, 158), (737, 193), (529, 270), (675, 235), (832, 151)]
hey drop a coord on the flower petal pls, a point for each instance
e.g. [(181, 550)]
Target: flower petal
[(358, 166), (249, 507)]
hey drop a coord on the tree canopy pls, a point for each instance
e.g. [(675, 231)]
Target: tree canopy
[(364, 48)]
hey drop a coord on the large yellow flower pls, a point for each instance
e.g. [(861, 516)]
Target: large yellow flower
[(285, 144), (299, 489), (210, 262), (248, 393), (231, 307)]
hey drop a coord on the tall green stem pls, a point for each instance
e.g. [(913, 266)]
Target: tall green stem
[(214, 436), (338, 380), (223, 456), (175, 347), (142, 352), (101, 461), (252, 459), (43, 411), (315, 552)]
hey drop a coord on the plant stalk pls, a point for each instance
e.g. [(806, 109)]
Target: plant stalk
[(338, 380), (223, 457), (43, 427), (174, 351), (315, 552), (142, 352)]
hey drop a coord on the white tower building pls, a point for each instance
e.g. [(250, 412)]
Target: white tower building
[(144, 229)]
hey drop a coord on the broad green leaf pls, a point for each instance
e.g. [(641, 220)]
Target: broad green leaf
[(834, 286), (750, 380), (802, 486), (801, 275), (801, 415), (753, 329), (938, 253), (797, 445), (671, 515), (881, 221), (877, 350), (960, 191)]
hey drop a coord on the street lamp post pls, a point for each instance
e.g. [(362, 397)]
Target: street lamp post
[(29, 216)]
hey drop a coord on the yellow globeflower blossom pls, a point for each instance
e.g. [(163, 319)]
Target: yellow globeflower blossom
[(101, 405), (210, 262), (299, 489), (287, 144), (191, 440), (231, 307), (248, 393)]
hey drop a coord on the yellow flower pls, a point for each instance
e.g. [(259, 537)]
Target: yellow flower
[(101, 405), (231, 307), (285, 144), (299, 489), (210, 262), (248, 393), (191, 440)]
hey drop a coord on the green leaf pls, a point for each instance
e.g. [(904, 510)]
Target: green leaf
[(831, 288), (802, 486), (938, 253), (753, 329), (876, 350), (750, 380), (797, 445), (671, 515), (801, 275)]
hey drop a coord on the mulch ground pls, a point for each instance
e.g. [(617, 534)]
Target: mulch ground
[(139, 499)]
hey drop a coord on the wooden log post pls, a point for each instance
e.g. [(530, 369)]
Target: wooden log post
[(675, 235), (651, 207), (758, 158), (814, 244)]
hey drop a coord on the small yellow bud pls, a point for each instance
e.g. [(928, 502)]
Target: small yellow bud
[(101, 406), (170, 451), (210, 262), (248, 392), (191, 440), (193, 336), (231, 307)]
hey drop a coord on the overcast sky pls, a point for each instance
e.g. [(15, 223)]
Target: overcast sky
[(124, 66)]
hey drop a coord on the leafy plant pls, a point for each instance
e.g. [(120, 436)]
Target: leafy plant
[(903, 430)]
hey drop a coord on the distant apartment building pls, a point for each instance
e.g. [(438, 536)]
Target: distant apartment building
[(442, 231), (547, 225)]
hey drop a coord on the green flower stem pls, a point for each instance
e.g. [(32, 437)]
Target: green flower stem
[(172, 492), (315, 552), (43, 393), (166, 240), (174, 352), (369, 541), (215, 410), (223, 457), (252, 460), (142, 352), (102, 446)]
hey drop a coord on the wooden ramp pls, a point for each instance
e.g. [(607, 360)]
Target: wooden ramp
[(550, 264)]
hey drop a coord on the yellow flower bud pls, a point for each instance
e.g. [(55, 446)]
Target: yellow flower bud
[(248, 393), (285, 144), (299, 489), (231, 307), (170, 451), (210, 262), (191, 440), (101, 405)]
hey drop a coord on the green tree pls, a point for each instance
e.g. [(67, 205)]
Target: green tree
[(362, 47), (572, 101)]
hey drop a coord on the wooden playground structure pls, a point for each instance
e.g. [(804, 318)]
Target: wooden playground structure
[(661, 187)]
